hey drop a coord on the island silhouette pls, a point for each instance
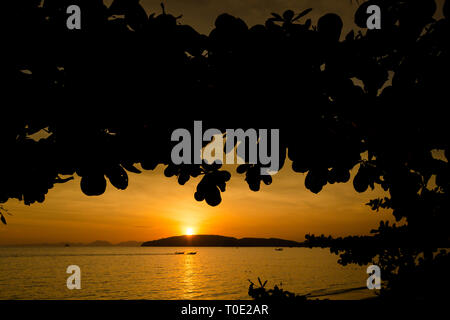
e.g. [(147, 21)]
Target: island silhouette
[(220, 241)]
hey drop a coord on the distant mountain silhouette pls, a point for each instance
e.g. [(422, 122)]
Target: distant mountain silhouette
[(97, 243), (219, 241)]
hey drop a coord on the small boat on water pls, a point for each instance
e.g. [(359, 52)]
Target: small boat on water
[(179, 252), (67, 245), (278, 249), (191, 253)]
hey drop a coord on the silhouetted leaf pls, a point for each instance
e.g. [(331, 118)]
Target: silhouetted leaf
[(93, 184), (302, 14)]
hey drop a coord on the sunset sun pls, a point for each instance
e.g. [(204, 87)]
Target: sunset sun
[(189, 231)]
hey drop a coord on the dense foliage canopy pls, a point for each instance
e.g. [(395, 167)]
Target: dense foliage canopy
[(109, 96)]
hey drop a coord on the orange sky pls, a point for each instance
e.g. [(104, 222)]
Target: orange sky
[(154, 206)]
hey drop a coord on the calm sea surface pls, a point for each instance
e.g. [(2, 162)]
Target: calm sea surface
[(157, 273)]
